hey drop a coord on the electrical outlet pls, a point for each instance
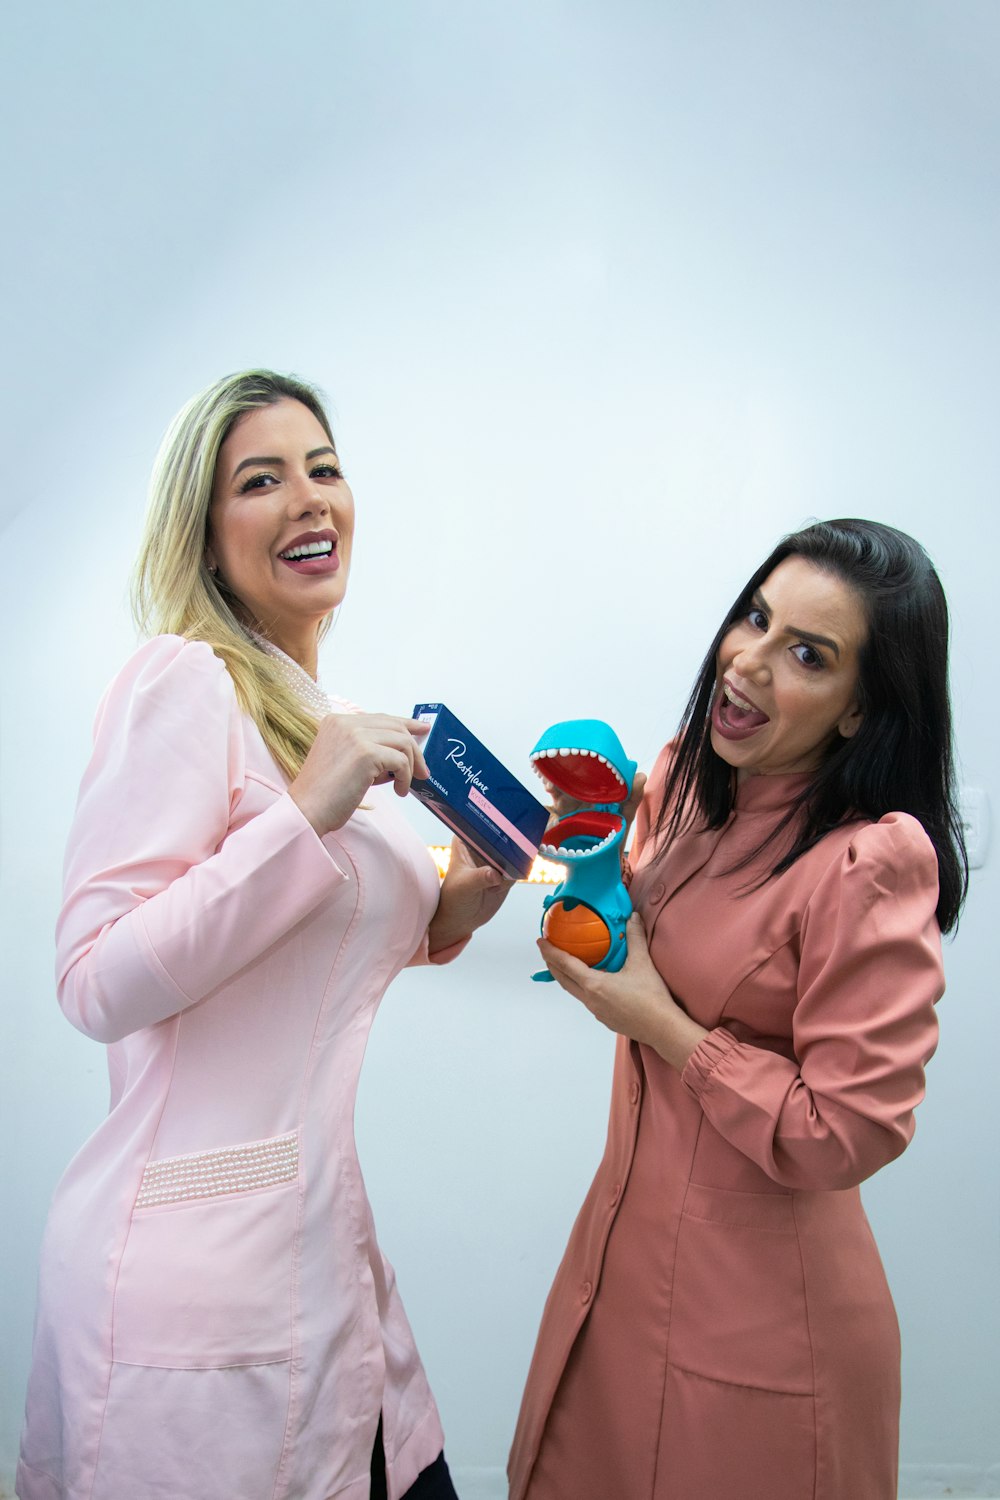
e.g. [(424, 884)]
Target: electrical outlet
[(974, 810)]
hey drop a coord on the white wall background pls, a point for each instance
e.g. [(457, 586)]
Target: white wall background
[(606, 297)]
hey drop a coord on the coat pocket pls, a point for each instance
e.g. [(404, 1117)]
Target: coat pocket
[(205, 1280), (739, 1305)]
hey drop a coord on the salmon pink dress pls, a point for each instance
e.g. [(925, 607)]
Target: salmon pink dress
[(720, 1327), (215, 1317)]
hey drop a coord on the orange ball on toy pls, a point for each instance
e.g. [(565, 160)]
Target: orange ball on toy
[(578, 930)]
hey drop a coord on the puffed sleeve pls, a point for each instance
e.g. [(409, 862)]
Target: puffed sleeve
[(163, 901), (863, 1029)]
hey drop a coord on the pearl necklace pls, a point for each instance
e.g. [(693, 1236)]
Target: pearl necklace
[(306, 689)]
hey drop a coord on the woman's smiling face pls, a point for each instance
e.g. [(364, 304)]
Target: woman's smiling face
[(281, 524), (787, 673)]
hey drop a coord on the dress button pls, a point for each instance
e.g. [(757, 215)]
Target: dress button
[(633, 1093), (586, 1292), (658, 892), (616, 1194)]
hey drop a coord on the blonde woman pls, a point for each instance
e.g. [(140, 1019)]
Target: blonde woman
[(215, 1316)]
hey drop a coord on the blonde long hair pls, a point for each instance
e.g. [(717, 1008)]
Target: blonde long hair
[(173, 591)]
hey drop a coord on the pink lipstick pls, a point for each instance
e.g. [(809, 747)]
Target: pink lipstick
[(312, 553)]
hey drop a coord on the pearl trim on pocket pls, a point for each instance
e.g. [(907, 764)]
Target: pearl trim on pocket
[(209, 1174)]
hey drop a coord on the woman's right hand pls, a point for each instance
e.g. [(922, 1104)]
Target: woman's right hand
[(352, 752)]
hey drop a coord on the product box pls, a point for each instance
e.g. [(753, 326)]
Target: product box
[(477, 797)]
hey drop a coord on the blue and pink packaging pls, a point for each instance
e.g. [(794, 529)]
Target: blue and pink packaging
[(476, 796)]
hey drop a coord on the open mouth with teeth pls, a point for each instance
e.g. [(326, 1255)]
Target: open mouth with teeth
[(319, 556), (588, 777), (737, 714), (587, 912)]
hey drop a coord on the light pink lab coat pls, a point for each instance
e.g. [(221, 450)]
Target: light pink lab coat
[(215, 1317), (720, 1327)]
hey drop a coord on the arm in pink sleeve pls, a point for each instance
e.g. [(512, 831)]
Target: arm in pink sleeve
[(863, 1030), (162, 903)]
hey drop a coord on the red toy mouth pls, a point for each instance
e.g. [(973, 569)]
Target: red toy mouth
[(585, 775), (598, 827)]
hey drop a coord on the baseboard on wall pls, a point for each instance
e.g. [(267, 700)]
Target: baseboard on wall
[(917, 1482), (942, 1482), (949, 1481), (471, 1484)]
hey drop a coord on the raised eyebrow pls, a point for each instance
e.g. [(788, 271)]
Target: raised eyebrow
[(803, 635), (813, 639)]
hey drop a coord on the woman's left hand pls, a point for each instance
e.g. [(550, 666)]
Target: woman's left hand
[(471, 893), (634, 1002)]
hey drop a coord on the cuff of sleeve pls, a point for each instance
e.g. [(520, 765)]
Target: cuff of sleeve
[(440, 955), (283, 832), (445, 955), (706, 1057)]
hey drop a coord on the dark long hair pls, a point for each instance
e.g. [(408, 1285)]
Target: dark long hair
[(900, 758)]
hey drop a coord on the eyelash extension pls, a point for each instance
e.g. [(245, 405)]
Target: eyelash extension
[(252, 483)]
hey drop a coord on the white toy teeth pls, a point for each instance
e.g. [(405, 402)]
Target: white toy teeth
[(587, 913), (564, 752), (557, 852)]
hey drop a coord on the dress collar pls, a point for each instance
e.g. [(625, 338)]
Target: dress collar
[(768, 794), (309, 692)]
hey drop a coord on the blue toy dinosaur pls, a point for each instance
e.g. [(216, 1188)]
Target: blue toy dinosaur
[(587, 912)]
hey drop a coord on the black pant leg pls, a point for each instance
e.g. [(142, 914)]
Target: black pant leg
[(378, 1491), (432, 1483)]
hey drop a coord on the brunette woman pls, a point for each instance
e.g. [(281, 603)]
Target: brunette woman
[(720, 1327)]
